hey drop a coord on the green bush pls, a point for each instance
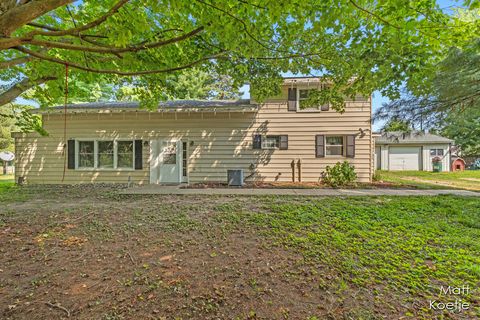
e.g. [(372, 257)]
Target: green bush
[(341, 174)]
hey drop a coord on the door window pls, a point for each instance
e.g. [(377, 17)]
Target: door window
[(170, 154)]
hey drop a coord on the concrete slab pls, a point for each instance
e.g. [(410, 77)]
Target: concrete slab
[(177, 190)]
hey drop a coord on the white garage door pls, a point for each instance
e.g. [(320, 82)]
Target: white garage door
[(404, 158)]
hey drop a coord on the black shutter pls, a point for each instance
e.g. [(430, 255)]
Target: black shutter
[(350, 146), (320, 146), (71, 154), (138, 155), (292, 99), (283, 142), (257, 141)]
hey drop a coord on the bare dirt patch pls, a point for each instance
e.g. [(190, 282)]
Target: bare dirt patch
[(150, 258)]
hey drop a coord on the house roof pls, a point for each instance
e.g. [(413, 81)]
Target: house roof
[(173, 105), (416, 137)]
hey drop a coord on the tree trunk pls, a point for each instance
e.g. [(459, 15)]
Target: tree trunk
[(22, 14)]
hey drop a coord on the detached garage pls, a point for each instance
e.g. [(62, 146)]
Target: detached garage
[(416, 151)]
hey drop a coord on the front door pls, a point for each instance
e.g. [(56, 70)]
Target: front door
[(165, 166)]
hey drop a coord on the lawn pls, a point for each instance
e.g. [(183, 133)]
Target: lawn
[(469, 179), (6, 182), (88, 253)]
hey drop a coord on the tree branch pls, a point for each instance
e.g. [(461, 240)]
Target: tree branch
[(14, 62), (113, 50), (111, 71), (77, 30), (19, 16), (373, 14), (50, 28), (20, 87)]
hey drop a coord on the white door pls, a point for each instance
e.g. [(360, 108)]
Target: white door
[(404, 158), (165, 163)]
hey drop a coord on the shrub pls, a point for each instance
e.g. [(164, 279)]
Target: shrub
[(341, 174)]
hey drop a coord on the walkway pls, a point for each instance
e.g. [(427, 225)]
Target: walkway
[(176, 190)]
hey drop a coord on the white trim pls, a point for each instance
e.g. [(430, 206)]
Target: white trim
[(95, 155), (343, 145), (309, 110), (270, 135)]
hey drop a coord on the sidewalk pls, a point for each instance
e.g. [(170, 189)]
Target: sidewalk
[(176, 190)]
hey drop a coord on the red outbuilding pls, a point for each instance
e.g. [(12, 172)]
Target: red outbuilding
[(458, 164)]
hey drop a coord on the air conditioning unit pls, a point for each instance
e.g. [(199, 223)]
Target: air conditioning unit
[(235, 177)]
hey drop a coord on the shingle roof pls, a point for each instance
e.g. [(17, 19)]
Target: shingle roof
[(170, 105), (410, 138)]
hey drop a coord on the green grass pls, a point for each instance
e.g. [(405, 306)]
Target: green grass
[(408, 244), (9, 191), (6, 182), (469, 179)]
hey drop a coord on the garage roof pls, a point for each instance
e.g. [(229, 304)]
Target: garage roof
[(416, 137)]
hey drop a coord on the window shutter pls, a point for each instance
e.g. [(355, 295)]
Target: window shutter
[(138, 155), (71, 154), (350, 146), (283, 142), (292, 99), (257, 141), (319, 146)]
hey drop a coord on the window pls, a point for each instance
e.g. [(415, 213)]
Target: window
[(303, 95), (270, 142), (273, 142), (184, 158), (170, 153), (105, 154), (334, 145), (124, 154), (343, 146), (436, 152), (86, 154)]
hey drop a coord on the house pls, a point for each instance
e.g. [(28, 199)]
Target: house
[(198, 141), (411, 151)]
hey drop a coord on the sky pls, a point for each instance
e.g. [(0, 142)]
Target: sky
[(377, 98)]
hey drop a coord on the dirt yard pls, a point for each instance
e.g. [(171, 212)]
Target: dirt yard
[(88, 253)]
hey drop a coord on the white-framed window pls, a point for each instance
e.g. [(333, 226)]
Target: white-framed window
[(302, 95), (104, 154), (85, 154), (270, 142), (436, 152), (125, 154), (334, 145)]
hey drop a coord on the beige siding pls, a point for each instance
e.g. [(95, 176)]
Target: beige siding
[(217, 141)]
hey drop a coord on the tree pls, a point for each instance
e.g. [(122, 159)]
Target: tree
[(452, 107), (361, 45), (199, 84), (395, 125), (7, 126), (455, 88), (464, 128)]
